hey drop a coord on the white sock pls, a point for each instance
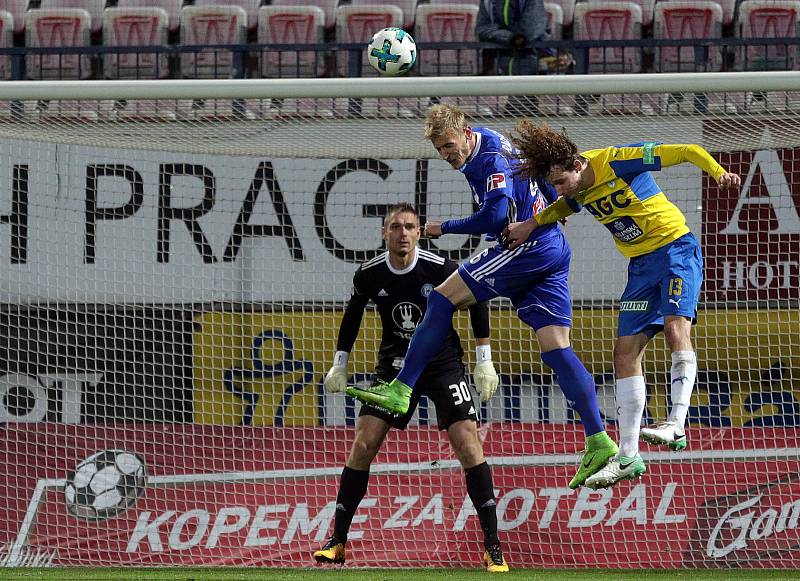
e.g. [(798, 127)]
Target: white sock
[(631, 396), (682, 374)]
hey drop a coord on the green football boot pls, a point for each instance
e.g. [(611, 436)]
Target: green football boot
[(600, 448), (394, 396)]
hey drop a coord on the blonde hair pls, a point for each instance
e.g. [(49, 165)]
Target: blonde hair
[(443, 118)]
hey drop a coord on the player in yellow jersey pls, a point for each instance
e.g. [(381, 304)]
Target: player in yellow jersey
[(664, 274)]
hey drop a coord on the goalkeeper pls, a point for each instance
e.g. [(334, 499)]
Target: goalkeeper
[(664, 274), (398, 282), (533, 276)]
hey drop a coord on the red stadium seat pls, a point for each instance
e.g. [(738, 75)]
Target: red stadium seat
[(212, 25), (135, 27), (57, 28), (699, 19), (171, 7), (618, 21), (93, 7)]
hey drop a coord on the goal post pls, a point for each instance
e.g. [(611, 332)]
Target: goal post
[(176, 256)]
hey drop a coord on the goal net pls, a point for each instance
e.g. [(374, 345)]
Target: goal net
[(175, 262)]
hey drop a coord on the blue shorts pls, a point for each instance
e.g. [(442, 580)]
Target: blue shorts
[(534, 276), (666, 281)]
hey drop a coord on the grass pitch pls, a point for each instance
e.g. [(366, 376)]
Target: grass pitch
[(258, 574)]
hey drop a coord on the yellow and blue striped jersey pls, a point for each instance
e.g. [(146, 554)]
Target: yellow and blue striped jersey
[(626, 199)]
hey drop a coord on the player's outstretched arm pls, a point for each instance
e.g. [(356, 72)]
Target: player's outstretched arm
[(673, 154)]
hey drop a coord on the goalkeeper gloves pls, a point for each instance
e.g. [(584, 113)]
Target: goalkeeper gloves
[(336, 378), (484, 375)]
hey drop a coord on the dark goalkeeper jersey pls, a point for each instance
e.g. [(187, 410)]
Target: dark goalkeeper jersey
[(401, 297)]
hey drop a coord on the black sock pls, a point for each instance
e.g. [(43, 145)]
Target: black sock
[(481, 491), (352, 488)]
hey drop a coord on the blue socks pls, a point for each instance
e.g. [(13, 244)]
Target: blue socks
[(428, 338), (578, 387)]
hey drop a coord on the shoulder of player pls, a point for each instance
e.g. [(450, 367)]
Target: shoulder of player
[(428, 256), (373, 262)]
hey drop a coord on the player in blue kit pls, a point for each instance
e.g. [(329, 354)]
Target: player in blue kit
[(664, 274), (533, 276)]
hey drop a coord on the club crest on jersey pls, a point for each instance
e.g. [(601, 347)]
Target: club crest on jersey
[(406, 316), (494, 181), (426, 289)]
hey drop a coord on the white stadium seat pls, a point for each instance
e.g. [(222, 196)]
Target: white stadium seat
[(617, 21), (16, 8), (699, 19), (6, 41), (768, 19), (447, 23), (728, 8), (555, 19), (212, 25), (327, 6), (171, 7), (57, 28), (93, 7), (357, 24), (135, 27), (249, 6), (291, 25), (408, 8)]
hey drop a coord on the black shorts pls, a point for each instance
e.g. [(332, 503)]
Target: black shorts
[(445, 385)]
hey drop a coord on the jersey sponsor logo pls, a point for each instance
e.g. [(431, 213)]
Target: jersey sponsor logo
[(426, 289), (606, 205), (495, 181), (634, 306), (624, 229), (406, 316)]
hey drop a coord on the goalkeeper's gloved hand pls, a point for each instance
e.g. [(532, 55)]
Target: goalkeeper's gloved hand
[(484, 375), (336, 378)]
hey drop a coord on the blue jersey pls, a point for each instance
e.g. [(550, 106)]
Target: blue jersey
[(491, 172)]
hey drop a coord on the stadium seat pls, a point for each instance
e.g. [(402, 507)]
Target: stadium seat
[(555, 19), (408, 7), (699, 19), (57, 28), (16, 8), (212, 25), (567, 10), (762, 19), (135, 27), (171, 7), (618, 21), (447, 23), (469, 2), (297, 25), (249, 6), (327, 6), (6, 41), (93, 7), (728, 8), (647, 7), (357, 24)]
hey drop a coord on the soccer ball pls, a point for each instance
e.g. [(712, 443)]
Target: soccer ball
[(392, 51), (105, 484)]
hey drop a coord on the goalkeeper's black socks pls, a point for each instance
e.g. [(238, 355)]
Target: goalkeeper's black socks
[(352, 488), (481, 491)]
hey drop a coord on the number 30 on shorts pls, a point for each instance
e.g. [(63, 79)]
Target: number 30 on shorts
[(460, 392)]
